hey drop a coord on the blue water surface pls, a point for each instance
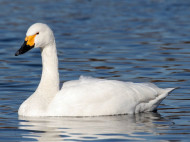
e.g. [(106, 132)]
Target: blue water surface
[(128, 40)]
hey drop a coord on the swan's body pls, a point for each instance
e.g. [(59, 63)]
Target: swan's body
[(86, 96)]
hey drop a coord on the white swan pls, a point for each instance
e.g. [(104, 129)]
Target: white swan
[(86, 96)]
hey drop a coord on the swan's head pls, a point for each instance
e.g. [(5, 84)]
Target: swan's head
[(38, 35)]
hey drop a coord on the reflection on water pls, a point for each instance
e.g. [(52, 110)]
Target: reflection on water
[(138, 41), (124, 127)]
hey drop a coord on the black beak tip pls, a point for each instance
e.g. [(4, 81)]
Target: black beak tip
[(17, 53), (24, 48)]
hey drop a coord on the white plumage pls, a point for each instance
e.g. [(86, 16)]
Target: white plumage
[(87, 96)]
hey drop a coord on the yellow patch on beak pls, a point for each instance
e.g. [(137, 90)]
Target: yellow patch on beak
[(30, 40)]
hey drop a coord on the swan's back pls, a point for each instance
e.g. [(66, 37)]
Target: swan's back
[(93, 97)]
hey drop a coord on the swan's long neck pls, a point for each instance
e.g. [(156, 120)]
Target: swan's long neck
[(49, 84)]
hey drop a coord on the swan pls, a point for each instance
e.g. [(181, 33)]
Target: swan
[(87, 96)]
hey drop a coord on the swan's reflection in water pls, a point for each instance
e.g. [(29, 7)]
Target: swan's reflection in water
[(123, 127)]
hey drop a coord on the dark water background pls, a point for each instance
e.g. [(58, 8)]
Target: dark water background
[(128, 40)]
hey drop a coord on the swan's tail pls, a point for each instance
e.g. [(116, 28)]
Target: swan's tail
[(153, 104)]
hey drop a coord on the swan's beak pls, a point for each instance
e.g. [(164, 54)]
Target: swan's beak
[(27, 45)]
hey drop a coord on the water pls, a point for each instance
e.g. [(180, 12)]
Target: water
[(138, 41)]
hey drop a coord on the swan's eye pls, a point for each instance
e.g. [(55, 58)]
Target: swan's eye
[(37, 33)]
